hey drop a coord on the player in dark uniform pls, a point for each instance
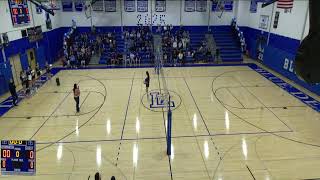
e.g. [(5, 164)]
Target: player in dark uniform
[(147, 81), (13, 92)]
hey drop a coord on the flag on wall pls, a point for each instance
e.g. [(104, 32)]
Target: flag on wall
[(285, 4)]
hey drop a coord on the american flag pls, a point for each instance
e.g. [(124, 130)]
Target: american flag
[(285, 4)]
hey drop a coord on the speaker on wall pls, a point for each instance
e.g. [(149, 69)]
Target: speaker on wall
[(276, 20), (24, 33), (5, 39)]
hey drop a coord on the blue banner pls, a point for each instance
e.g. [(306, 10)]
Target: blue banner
[(189, 5), (160, 6), (201, 5), (110, 5), (142, 5), (98, 5), (226, 5), (253, 6), (130, 5), (67, 5), (78, 5)]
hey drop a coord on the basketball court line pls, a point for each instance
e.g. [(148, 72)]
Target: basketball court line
[(277, 135), (125, 118), (68, 134), (204, 122), (174, 137), (50, 115)]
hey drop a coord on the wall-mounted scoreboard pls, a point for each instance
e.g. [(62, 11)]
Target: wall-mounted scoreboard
[(18, 157), (19, 12)]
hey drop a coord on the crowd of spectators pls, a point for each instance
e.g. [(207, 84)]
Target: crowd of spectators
[(139, 44), (239, 35), (177, 49)]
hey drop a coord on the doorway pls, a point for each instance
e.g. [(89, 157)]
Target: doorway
[(31, 58), (16, 68)]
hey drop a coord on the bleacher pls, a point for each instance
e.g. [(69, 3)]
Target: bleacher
[(230, 50)]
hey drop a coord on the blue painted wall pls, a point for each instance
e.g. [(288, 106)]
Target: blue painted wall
[(51, 43), (279, 54)]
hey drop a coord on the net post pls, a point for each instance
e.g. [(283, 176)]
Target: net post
[(169, 127)]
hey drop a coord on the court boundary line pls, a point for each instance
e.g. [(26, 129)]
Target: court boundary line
[(306, 99), (162, 137), (125, 119)]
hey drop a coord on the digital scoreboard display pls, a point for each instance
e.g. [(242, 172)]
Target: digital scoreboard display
[(19, 12), (18, 157)]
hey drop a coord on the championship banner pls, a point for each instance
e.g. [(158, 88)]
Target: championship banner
[(130, 5), (67, 5), (98, 6), (110, 5), (189, 5), (201, 5), (228, 5), (160, 6), (78, 5), (142, 5), (253, 6)]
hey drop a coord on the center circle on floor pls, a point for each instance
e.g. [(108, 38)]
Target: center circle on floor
[(157, 100)]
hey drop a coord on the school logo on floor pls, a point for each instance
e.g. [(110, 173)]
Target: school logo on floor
[(158, 100)]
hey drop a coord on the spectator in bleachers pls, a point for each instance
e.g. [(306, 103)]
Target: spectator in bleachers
[(181, 57)]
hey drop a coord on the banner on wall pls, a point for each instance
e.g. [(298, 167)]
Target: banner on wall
[(130, 5), (78, 5), (110, 5), (142, 5), (67, 5), (253, 6), (263, 23), (160, 6), (201, 5), (225, 5), (228, 5), (189, 5), (98, 5)]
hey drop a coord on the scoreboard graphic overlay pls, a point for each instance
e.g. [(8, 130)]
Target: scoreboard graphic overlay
[(18, 157), (19, 12)]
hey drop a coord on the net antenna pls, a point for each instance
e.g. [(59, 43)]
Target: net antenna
[(219, 7)]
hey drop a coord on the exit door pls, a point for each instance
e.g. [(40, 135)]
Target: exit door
[(16, 68)]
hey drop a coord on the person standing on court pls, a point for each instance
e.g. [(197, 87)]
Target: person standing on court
[(147, 81), (13, 92), (76, 94)]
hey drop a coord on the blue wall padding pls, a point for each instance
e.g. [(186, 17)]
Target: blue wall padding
[(274, 58), (24, 61), (40, 56)]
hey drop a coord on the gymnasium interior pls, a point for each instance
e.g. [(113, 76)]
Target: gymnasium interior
[(160, 89)]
